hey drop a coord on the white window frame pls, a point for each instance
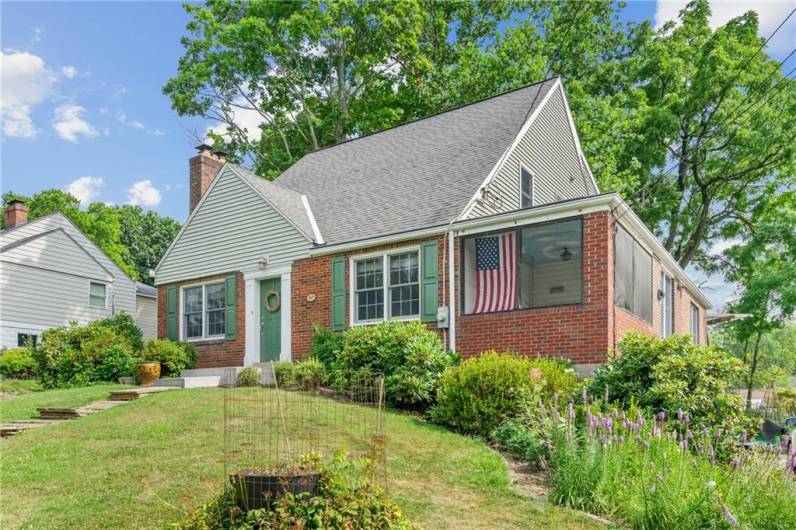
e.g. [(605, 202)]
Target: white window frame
[(694, 314), (532, 175), (204, 336), (352, 261), (667, 314), (105, 302)]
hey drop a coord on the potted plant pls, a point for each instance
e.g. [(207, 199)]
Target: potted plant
[(147, 372), (257, 488)]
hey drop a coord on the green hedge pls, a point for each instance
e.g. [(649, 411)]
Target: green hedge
[(173, 356), (17, 363)]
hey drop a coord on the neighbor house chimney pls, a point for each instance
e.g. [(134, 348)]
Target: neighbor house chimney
[(203, 168), (15, 214)]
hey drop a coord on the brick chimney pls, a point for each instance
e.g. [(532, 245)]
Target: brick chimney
[(15, 214), (203, 168)]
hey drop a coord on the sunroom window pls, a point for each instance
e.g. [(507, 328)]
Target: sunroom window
[(534, 266), (387, 287), (633, 276), (203, 311)]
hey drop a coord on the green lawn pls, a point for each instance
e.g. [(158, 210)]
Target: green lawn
[(147, 463), (23, 405)]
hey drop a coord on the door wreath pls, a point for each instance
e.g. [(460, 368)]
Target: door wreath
[(273, 301)]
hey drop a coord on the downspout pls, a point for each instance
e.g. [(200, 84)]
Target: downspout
[(447, 281)]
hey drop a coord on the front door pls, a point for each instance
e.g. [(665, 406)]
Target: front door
[(270, 319)]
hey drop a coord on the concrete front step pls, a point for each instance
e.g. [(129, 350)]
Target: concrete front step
[(206, 381)]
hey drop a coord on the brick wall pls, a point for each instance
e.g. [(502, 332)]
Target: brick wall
[(217, 352), (578, 332)]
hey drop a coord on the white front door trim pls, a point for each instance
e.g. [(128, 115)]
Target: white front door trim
[(252, 300)]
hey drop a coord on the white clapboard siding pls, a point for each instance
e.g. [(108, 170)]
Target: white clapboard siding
[(548, 149), (46, 267), (146, 314), (232, 228)]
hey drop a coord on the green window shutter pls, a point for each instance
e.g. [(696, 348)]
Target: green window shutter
[(230, 315), (171, 312), (429, 281), (338, 293)]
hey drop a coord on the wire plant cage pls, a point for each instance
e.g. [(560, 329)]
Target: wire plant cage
[(277, 438)]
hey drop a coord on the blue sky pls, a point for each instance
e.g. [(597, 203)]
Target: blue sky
[(83, 108)]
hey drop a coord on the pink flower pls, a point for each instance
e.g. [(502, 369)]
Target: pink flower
[(535, 373)]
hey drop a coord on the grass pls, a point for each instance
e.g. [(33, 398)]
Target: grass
[(26, 400), (18, 386), (149, 462)]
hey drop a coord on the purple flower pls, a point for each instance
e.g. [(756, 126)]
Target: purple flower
[(639, 418), (679, 414), (728, 515), (686, 419), (662, 416), (571, 410), (735, 463)]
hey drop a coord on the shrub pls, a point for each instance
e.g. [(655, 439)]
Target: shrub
[(346, 500), (326, 344), (558, 378), (674, 374), (520, 441), (74, 355), (17, 363), (309, 374), (409, 356), (115, 362), (477, 395), (173, 356), (249, 376)]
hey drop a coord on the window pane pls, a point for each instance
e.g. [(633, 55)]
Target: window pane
[(403, 268), (193, 299), (193, 325), (623, 269), (369, 273), (98, 289), (215, 296), (695, 324), (526, 188), (642, 284), (551, 261), (215, 322), (96, 297), (405, 301), (370, 305)]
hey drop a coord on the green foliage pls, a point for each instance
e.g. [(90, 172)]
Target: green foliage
[(173, 356), (776, 355), (409, 356), (146, 235), (515, 437), (558, 380), (17, 363), (480, 393), (674, 374), (249, 376), (326, 344), (640, 475), (309, 374), (346, 500), (103, 350)]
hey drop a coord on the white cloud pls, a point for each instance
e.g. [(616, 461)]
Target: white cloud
[(770, 14), (69, 72), (85, 189), (247, 119), (124, 120), (26, 82), (143, 193), (720, 246), (37, 32), (69, 124)]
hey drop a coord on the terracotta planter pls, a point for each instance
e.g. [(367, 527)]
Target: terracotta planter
[(148, 373)]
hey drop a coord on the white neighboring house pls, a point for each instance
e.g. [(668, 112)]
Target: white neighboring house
[(146, 309), (51, 274)]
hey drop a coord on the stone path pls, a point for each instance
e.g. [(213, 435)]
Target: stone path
[(48, 416)]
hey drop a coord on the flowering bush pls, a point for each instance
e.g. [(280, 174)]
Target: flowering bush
[(650, 476)]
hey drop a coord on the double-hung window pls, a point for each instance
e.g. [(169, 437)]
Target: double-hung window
[(97, 295), (695, 324), (387, 287), (667, 305), (526, 187), (203, 311)]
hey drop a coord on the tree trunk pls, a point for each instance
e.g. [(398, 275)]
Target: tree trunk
[(752, 370)]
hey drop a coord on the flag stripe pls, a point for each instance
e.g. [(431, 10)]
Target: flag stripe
[(495, 284)]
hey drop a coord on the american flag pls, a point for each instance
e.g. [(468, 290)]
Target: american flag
[(495, 266)]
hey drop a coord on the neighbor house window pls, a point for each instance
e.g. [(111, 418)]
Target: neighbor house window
[(667, 305), (534, 266), (526, 187), (203, 311), (26, 339), (633, 276), (695, 324), (387, 287), (97, 295)]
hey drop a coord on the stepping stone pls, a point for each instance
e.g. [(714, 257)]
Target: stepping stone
[(135, 393), (10, 429), (60, 413)]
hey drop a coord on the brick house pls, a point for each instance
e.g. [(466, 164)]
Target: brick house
[(483, 221)]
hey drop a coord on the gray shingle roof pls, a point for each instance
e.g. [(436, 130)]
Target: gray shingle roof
[(416, 175), (287, 201)]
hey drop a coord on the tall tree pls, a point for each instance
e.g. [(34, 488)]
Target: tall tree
[(764, 268), (146, 235)]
